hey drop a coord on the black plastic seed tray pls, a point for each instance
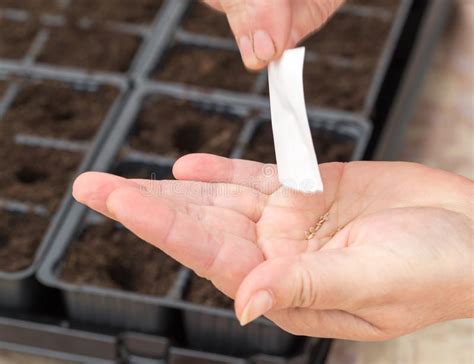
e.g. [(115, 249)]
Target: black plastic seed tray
[(81, 35), (38, 163), (58, 339), (344, 74), (128, 152)]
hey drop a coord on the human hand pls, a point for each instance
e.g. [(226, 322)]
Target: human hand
[(265, 28), (394, 255)]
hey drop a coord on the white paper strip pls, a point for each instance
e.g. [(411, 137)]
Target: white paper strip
[(296, 159)]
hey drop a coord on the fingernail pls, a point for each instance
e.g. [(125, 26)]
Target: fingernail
[(246, 51), (259, 304), (263, 46)]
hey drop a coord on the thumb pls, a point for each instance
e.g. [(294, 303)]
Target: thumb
[(261, 28), (323, 280)]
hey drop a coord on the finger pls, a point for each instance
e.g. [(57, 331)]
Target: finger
[(324, 280), (334, 324), (221, 257), (261, 27), (241, 199), (211, 168), (92, 189)]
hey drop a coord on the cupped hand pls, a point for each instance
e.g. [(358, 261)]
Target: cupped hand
[(385, 250), (265, 28)]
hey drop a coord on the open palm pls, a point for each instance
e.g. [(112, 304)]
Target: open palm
[(383, 251)]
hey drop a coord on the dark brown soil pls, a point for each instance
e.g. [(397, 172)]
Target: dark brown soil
[(56, 110), (3, 88), (91, 49), (331, 86), (206, 68), (16, 37), (202, 19), (202, 292), (20, 236), (34, 6), (173, 128), (350, 36), (36, 175), (135, 11), (107, 256), (329, 147), (142, 171)]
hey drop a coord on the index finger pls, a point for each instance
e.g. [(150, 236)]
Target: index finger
[(211, 168)]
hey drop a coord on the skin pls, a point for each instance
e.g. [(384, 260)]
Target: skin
[(395, 254), (263, 29)]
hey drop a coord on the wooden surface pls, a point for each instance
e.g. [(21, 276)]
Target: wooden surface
[(441, 135)]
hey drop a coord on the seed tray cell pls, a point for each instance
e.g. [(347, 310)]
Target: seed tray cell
[(200, 20), (3, 88), (124, 11), (90, 49), (36, 175), (55, 110), (351, 36), (329, 146), (205, 67), (202, 292), (16, 37), (161, 129), (97, 258), (20, 236), (33, 6), (211, 325), (335, 86), (112, 279), (37, 169)]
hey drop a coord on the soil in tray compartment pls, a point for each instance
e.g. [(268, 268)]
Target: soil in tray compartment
[(34, 6), (35, 175), (201, 19), (107, 256), (3, 88), (350, 36), (173, 127), (130, 11), (329, 146), (20, 236), (16, 37), (328, 85), (53, 109), (202, 292), (205, 67), (91, 49)]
